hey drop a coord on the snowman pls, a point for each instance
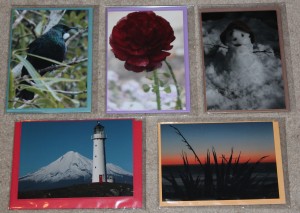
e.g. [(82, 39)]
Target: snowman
[(245, 72)]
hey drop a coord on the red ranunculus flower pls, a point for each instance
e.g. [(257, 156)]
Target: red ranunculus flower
[(141, 39)]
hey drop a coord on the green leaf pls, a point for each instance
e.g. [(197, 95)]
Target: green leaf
[(167, 75), (161, 83), (148, 76), (68, 102), (39, 28), (52, 92), (34, 89), (76, 103), (11, 91), (51, 81), (146, 88), (48, 59), (167, 89), (31, 70), (155, 88), (36, 77), (46, 103)]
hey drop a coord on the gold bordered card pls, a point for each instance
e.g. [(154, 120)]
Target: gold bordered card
[(233, 163)]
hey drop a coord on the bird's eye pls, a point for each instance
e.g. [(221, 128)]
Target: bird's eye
[(242, 35)]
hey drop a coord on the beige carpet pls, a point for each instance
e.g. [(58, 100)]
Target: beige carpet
[(289, 121)]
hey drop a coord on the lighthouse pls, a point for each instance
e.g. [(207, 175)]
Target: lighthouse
[(99, 160)]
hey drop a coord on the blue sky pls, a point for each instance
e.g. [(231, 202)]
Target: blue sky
[(44, 142), (252, 139)]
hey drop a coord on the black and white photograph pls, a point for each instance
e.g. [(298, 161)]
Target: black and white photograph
[(244, 64)]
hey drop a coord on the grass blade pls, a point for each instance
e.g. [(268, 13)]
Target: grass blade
[(36, 77), (48, 59)]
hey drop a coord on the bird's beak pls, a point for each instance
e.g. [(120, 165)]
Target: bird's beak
[(73, 28)]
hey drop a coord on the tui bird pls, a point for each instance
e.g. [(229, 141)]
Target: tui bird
[(50, 45)]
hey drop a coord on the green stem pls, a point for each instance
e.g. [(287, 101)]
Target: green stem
[(178, 102), (156, 89)]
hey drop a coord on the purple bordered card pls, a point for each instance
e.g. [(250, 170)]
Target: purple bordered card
[(147, 60)]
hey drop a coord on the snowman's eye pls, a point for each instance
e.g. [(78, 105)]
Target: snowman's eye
[(242, 35)]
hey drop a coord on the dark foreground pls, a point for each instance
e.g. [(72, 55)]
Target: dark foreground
[(190, 183), (82, 190)]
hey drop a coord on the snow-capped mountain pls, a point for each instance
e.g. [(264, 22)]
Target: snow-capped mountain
[(112, 169), (69, 169), (71, 165)]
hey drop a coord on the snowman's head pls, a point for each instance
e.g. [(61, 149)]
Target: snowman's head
[(237, 34)]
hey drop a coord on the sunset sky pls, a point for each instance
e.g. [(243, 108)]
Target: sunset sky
[(253, 139)]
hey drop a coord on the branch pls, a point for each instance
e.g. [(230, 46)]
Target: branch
[(28, 23), (216, 46), (71, 92), (53, 19), (24, 104), (55, 67), (224, 47), (19, 19), (25, 78), (263, 51), (79, 33)]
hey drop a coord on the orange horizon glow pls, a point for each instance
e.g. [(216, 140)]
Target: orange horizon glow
[(253, 158)]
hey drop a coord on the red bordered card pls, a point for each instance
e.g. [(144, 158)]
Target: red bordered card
[(77, 164)]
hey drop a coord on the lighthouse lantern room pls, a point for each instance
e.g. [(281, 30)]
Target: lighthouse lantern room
[(99, 158)]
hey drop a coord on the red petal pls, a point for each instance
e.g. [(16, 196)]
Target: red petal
[(142, 39), (153, 66), (138, 61), (120, 54), (134, 68), (157, 57)]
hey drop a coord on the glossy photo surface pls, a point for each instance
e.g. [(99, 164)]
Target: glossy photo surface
[(50, 64), (244, 63), (220, 164)]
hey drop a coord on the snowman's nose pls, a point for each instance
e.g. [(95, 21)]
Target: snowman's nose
[(234, 39)]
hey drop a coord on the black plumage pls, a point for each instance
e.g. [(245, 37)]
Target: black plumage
[(50, 45)]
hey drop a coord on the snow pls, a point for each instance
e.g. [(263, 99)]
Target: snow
[(249, 78), (112, 169), (71, 165)]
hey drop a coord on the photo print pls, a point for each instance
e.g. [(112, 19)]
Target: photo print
[(77, 164), (244, 64), (147, 60), (234, 163), (50, 62)]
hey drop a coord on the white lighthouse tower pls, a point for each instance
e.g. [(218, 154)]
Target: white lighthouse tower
[(99, 160)]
